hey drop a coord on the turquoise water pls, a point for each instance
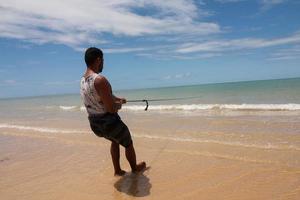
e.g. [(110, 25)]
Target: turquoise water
[(280, 91), (283, 94)]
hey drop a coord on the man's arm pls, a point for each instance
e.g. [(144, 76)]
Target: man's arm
[(103, 87), (120, 99)]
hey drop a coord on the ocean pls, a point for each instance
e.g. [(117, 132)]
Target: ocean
[(253, 107), (279, 96)]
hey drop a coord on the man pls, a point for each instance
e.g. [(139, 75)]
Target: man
[(102, 107)]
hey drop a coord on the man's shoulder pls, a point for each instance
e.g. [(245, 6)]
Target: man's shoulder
[(100, 79)]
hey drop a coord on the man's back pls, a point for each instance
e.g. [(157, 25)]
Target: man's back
[(90, 96)]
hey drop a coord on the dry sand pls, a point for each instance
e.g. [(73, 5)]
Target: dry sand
[(53, 166)]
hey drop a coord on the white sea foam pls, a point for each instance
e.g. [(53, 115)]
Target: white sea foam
[(199, 107), (156, 137), (38, 129), (67, 107), (231, 143), (82, 108)]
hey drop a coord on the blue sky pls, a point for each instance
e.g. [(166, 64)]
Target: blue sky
[(146, 43)]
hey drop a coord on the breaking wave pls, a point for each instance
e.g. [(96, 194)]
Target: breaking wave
[(38, 129), (199, 107), (158, 137), (238, 107)]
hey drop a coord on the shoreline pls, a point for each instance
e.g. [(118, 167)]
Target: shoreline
[(79, 167)]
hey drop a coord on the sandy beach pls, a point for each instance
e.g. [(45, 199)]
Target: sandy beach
[(209, 91), (216, 165)]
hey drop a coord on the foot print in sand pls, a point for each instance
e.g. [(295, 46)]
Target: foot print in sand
[(4, 159)]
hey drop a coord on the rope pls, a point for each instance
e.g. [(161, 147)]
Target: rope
[(169, 99)]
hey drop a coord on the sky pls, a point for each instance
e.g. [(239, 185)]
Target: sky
[(146, 43)]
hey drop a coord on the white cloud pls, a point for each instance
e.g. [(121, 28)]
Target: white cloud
[(52, 52), (229, 1), (286, 53), (176, 56), (24, 46), (267, 4), (74, 22), (124, 50), (264, 4), (237, 44), (8, 82), (177, 24), (177, 76), (62, 83)]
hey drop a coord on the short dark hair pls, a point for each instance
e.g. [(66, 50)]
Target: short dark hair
[(91, 54)]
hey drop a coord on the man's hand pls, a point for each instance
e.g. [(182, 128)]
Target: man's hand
[(119, 99), (119, 102), (123, 100)]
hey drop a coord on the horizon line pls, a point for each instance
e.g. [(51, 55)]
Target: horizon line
[(148, 88)]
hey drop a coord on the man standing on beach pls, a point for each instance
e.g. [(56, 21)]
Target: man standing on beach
[(102, 107)]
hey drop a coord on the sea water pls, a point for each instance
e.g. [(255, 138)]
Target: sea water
[(268, 100), (268, 95)]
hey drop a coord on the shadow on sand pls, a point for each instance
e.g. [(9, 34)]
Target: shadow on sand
[(134, 184)]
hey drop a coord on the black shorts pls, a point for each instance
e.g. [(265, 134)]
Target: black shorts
[(111, 127)]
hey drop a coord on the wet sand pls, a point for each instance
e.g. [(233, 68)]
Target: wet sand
[(185, 163)]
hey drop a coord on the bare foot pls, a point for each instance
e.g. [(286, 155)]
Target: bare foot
[(140, 167), (120, 173)]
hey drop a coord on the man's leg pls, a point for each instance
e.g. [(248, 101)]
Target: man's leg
[(131, 157), (115, 155)]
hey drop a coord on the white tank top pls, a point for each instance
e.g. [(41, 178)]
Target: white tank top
[(91, 99)]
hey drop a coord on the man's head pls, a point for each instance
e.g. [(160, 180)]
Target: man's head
[(94, 59)]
